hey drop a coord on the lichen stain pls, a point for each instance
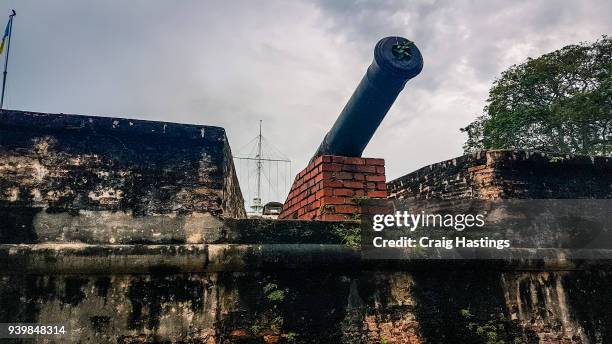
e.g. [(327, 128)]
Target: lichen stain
[(152, 296), (73, 290)]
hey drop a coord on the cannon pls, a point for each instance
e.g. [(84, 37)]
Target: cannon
[(396, 60)]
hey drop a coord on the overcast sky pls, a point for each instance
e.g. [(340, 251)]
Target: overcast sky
[(292, 64)]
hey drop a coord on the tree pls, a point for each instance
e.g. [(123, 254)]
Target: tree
[(560, 102)]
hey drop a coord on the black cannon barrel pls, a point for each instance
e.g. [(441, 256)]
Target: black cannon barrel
[(396, 60)]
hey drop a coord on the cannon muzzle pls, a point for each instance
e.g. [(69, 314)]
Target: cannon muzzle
[(396, 60)]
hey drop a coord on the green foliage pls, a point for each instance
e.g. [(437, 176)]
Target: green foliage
[(360, 199), (276, 295), (291, 337), (272, 292), (269, 316), (277, 323), (490, 331), (555, 159), (327, 209), (351, 236), (465, 313), (255, 328), (270, 287), (384, 341), (401, 50), (560, 102)]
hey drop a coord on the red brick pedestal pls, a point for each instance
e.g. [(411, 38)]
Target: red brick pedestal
[(331, 187)]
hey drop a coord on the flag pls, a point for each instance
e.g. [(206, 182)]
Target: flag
[(6, 33)]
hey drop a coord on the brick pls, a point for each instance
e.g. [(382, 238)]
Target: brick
[(381, 186), (331, 167), (334, 200), (311, 199), (352, 184), (313, 174), (333, 217), (300, 196), (327, 175), (321, 176), (377, 194), (318, 161), (380, 169), (302, 188), (324, 192), (318, 178), (375, 178), (355, 161), (338, 159), (332, 184), (347, 209), (359, 168), (358, 176), (375, 162), (368, 169), (344, 192), (311, 215), (316, 204), (343, 175), (293, 209)]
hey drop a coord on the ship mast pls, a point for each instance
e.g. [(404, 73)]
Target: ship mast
[(260, 160), (257, 206)]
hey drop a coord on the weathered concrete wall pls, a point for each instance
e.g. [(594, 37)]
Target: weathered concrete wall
[(59, 173), (508, 174), (318, 306)]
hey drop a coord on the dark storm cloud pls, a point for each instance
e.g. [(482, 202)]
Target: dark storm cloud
[(292, 64)]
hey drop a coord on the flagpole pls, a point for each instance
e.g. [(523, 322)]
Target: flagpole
[(8, 49)]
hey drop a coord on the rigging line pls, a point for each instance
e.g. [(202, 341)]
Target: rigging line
[(248, 183), (275, 149), (245, 158), (285, 181), (268, 179), (243, 147)]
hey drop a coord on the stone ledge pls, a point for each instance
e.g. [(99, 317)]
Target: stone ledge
[(121, 228), (66, 258)]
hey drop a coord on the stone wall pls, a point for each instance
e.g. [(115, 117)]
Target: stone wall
[(315, 302), (508, 174), (60, 173)]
